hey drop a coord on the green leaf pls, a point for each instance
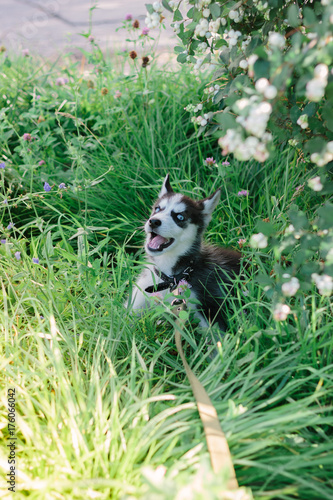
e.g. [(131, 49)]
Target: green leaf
[(181, 58), (226, 120), (310, 109), (150, 8), (315, 145), (295, 113), (309, 17), (178, 49), (215, 10), (293, 15), (325, 213), (220, 43), (266, 228), (166, 5), (177, 16), (225, 56), (298, 218), (262, 69), (218, 97)]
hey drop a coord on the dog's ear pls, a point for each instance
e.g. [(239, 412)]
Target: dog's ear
[(166, 188), (209, 204)]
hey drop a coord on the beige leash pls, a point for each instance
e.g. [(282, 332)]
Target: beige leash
[(216, 441)]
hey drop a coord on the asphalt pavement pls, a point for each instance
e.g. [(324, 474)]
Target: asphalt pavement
[(51, 27)]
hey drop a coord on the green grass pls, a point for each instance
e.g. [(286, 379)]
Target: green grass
[(100, 397)]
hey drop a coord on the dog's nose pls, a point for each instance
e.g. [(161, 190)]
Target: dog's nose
[(154, 223)]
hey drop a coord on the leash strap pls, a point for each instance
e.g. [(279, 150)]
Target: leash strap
[(217, 444)]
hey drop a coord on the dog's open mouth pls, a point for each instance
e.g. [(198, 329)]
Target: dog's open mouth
[(157, 243)]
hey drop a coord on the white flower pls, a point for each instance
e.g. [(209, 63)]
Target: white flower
[(243, 64), (303, 121), (290, 229), (261, 84), (267, 137), (322, 158), (324, 283), (202, 47), (329, 147), (198, 64), (176, 28), (257, 119), (230, 141), (258, 240), (157, 6), (206, 12), (321, 72), (315, 89), (261, 153), (276, 40), (214, 26), (201, 28), (270, 92), (232, 36), (251, 60), (198, 107), (152, 20), (235, 15), (290, 288), (242, 103), (315, 184), (281, 312)]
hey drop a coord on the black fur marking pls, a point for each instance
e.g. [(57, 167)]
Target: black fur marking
[(180, 223), (211, 280), (167, 184)]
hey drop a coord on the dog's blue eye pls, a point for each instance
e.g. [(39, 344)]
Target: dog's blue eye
[(157, 209), (180, 217)]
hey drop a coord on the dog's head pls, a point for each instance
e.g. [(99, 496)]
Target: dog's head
[(177, 222)]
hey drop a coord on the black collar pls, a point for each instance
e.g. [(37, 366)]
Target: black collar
[(170, 282)]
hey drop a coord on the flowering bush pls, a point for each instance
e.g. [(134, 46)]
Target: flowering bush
[(269, 83), (304, 257), (269, 72)]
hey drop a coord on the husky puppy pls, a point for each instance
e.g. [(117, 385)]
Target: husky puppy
[(176, 251)]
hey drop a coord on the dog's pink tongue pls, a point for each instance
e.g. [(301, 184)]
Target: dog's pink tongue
[(157, 241)]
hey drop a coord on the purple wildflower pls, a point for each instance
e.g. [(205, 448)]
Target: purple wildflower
[(35, 260), (27, 137), (25, 52), (91, 38), (47, 187), (61, 81), (3, 242), (5, 201), (10, 225), (62, 186), (3, 165), (145, 31), (183, 284), (17, 255), (210, 161), (129, 17), (41, 162), (243, 193), (226, 163), (37, 96)]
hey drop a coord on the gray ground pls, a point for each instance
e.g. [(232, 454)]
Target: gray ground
[(50, 27)]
